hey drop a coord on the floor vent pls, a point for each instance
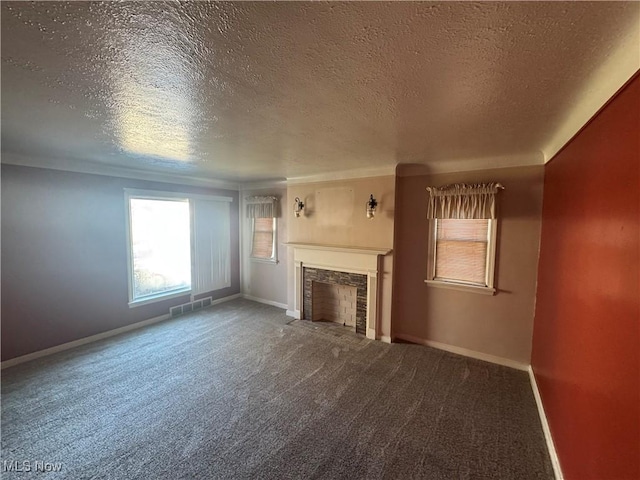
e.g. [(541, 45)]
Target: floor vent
[(191, 306)]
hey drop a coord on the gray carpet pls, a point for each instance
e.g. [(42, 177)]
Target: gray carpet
[(241, 391)]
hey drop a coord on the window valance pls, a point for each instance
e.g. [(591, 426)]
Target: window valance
[(462, 200), (262, 207)]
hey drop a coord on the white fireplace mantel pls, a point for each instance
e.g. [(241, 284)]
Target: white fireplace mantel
[(362, 260)]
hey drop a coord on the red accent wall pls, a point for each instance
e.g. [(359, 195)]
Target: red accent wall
[(586, 330)]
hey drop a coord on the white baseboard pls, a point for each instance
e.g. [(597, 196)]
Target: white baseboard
[(465, 352), (94, 338), (266, 302), (81, 341), (385, 339), (293, 313), (555, 462), (226, 299)]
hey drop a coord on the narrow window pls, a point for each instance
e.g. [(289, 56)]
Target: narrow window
[(263, 244), (462, 254), (461, 251)]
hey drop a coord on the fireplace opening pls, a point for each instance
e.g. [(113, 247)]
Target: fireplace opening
[(335, 287), (334, 303)]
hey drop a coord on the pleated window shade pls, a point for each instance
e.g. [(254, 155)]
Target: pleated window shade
[(461, 250), (263, 238)]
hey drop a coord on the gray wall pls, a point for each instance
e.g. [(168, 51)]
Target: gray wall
[(64, 257), (263, 280)]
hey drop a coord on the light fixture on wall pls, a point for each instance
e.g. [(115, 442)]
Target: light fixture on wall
[(372, 203), (298, 206)]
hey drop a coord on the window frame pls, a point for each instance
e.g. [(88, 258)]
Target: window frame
[(130, 193), (152, 195), (488, 288), (274, 250)]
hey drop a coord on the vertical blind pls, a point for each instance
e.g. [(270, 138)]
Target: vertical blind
[(212, 245), (461, 250)]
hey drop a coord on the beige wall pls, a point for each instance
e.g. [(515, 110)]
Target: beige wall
[(499, 325), (264, 280), (331, 227), (344, 223)]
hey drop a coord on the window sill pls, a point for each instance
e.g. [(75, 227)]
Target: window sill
[(160, 297), (264, 260), (461, 287)]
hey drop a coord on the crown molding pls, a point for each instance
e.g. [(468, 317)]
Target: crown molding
[(401, 170), (385, 171), (94, 168), (262, 185)]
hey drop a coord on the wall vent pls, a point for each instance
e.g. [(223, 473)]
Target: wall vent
[(191, 306)]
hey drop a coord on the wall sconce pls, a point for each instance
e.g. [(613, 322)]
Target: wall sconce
[(372, 203), (298, 206)]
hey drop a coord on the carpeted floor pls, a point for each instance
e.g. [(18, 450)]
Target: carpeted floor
[(241, 391)]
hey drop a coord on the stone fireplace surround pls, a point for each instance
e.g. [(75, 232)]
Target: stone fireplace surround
[(339, 260)]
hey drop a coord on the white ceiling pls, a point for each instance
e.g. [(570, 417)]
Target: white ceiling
[(254, 91)]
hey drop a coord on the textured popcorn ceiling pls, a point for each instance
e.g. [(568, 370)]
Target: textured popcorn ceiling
[(249, 91)]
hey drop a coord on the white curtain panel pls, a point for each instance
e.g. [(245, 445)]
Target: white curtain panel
[(460, 200), (212, 245), (261, 207)]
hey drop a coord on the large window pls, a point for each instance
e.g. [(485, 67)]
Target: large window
[(177, 244), (462, 253), (263, 239), (160, 246)]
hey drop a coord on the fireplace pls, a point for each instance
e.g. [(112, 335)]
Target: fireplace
[(326, 296), (346, 267)]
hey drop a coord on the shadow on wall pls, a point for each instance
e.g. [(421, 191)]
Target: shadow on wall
[(385, 200), (309, 206)]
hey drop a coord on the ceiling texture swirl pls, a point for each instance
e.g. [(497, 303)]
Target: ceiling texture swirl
[(252, 91)]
